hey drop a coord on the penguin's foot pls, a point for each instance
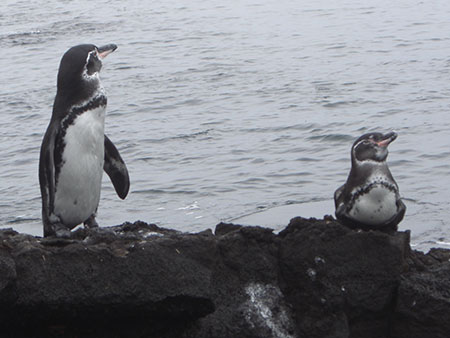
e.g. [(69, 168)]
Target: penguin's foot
[(62, 232), (54, 227), (57, 230), (91, 222)]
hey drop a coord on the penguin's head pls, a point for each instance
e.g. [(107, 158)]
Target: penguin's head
[(372, 147), (80, 66)]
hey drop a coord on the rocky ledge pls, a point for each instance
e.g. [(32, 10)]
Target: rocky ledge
[(316, 278)]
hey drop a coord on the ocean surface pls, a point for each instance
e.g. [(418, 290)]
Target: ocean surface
[(226, 109)]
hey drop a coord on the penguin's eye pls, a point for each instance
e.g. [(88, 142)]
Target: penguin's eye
[(93, 54), (93, 63)]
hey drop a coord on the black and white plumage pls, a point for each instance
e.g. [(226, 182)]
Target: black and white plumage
[(370, 198), (75, 150)]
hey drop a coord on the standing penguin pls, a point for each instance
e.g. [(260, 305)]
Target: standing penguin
[(370, 198), (75, 150)]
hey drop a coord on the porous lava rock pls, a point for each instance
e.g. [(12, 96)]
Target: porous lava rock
[(316, 278)]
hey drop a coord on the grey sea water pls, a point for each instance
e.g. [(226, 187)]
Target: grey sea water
[(229, 108)]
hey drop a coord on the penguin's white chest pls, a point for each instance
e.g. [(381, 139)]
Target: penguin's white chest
[(78, 187), (375, 206)]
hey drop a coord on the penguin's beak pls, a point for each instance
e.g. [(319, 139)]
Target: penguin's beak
[(104, 51), (387, 139)]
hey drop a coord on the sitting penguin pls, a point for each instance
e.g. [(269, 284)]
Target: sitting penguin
[(370, 198)]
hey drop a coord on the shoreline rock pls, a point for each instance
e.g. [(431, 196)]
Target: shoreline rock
[(316, 278)]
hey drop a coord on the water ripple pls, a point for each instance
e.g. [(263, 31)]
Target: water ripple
[(233, 106)]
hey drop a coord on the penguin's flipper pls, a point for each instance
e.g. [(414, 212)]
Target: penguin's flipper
[(341, 213), (341, 208), (394, 221), (401, 210), (116, 169), (339, 196), (47, 178)]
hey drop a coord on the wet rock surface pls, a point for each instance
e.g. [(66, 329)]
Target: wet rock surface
[(316, 278)]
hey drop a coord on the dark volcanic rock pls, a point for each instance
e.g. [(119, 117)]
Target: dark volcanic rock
[(348, 279), (316, 278), (423, 307), (245, 288), (110, 283)]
